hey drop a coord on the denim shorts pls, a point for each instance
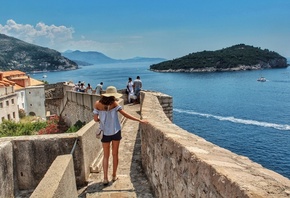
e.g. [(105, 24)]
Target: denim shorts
[(109, 138)]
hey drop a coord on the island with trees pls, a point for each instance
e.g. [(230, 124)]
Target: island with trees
[(235, 58)]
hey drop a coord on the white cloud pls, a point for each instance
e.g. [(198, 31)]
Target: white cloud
[(55, 37), (61, 39), (40, 34)]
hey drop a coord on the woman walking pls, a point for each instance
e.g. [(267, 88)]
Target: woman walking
[(106, 112)]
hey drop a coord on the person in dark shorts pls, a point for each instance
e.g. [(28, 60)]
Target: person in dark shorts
[(106, 113)]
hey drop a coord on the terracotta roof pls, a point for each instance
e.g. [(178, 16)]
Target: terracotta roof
[(3, 82), (18, 75), (12, 73), (9, 81), (34, 82), (18, 87)]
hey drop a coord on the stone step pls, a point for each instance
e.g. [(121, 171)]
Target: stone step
[(96, 166)]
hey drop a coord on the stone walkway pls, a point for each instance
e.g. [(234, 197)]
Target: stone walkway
[(132, 181)]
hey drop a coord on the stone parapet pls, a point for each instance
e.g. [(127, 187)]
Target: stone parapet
[(165, 101), (59, 180), (180, 164)]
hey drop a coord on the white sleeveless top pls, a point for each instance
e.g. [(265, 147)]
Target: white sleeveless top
[(109, 120)]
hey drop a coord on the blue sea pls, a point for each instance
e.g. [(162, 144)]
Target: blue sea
[(230, 109)]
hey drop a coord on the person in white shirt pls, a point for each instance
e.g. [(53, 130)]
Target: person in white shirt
[(89, 89), (130, 90), (99, 88)]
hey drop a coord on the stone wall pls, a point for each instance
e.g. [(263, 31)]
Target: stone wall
[(80, 106), (6, 170), (55, 97), (59, 180), (180, 164), (166, 103), (25, 159), (54, 90)]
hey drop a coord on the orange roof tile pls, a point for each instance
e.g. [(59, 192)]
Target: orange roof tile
[(18, 75), (5, 83), (9, 81), (12, 73), (34, 82), (18, 87)]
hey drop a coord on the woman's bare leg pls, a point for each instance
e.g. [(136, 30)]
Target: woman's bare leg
[(106, 149), (115, 153)]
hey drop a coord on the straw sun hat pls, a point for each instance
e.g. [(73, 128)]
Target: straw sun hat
[(112, 91)]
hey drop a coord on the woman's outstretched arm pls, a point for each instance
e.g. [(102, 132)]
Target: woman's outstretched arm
[(127, 115)]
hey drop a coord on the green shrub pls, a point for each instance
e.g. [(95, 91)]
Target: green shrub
[(22, 113), (77, 126), (11, 128)]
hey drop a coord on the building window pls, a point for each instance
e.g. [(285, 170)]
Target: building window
[(7, 103), (12, 101), (14, 115), (1, 105), (3, 118), (8, 116)]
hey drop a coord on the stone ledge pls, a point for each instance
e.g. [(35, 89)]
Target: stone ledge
[(59, 180)]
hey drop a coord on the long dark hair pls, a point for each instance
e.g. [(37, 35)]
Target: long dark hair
[(107, 100)]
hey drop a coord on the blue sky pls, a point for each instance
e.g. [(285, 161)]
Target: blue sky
[(161, 28)]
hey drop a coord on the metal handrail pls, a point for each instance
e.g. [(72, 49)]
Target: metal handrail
[(74, 146)]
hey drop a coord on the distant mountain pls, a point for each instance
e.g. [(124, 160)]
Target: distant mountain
[(93, 57), (88, 57), (237, 57), (19, 55)]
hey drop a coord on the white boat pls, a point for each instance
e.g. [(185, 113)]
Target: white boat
[(44, 76), (262, 79)]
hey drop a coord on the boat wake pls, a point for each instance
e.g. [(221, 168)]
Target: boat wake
[(283, 127)]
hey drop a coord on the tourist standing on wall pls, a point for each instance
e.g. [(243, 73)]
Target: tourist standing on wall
[(106, 113), (82, 88), (130, 90), (89, 89), (137, 85), (99, 88)]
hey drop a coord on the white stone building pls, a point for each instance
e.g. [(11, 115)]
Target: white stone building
[(8, 103), (29, 95)]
